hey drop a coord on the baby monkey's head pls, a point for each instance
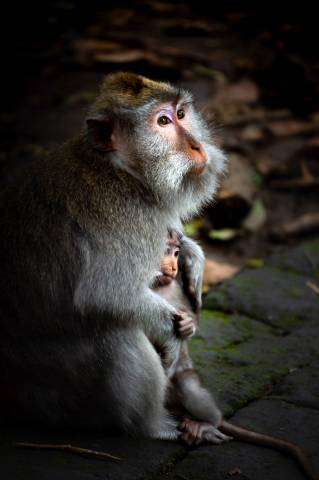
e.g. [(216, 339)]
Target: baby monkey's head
[(169, 264)]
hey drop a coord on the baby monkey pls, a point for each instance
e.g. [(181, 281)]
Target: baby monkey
[(169, 287), (187, 399)]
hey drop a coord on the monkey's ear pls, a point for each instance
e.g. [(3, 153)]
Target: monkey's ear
[(100, 128)]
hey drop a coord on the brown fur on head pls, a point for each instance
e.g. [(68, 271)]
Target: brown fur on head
[(129, 90)]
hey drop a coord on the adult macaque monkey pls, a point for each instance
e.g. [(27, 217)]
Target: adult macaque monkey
[(187, 398), (81, 238)]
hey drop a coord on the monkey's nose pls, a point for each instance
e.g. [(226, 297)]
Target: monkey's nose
[(199, 162), (195, 146), (198, 156)]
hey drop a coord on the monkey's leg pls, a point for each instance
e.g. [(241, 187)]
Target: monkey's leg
[(136, 386), (193, 431), (196, 400)]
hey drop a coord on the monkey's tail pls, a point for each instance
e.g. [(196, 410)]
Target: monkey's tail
[(255, 438)]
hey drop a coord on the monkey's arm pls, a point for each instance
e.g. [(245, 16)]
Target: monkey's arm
[(191, 264), (117, 294)]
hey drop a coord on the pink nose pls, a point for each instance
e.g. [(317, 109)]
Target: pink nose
[(196, 153)]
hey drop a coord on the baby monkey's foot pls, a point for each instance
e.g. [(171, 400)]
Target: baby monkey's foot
[(185, 324), (194, 432)]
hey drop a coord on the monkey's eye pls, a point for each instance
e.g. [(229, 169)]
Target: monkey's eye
[(176, 253), (180, 114), (163, 120)]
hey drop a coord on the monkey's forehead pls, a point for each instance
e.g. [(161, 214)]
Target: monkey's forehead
[(130, 90)]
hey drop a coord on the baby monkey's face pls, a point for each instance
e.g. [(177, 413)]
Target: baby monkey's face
[(169, 264)]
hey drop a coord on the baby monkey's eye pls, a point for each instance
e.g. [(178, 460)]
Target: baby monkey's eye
[(163, 120), (176, 253), (180, 114)]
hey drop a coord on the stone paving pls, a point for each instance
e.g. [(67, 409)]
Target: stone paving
[(258, 350)]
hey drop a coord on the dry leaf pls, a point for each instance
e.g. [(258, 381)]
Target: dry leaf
[(285, 128), (216, 272), (257, 216), (224, 234), (234, 471)]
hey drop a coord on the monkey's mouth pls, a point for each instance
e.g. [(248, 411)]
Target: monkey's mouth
[(199, 168), (166, 278)]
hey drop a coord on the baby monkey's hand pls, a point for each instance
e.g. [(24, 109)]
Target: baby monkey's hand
[(185, 324)]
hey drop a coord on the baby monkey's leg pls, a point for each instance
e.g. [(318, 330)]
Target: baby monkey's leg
[(193, 404)]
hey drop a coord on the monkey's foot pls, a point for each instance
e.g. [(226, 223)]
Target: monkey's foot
[(185, 324), (194, 433)]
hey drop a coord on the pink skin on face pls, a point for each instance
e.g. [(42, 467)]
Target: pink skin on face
[(175, 132)]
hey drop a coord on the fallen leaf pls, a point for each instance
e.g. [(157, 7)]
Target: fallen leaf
[(313, 287), (306, 223), (94, 44), (224, 234), (252, 133), (239, 180), (134, 55), (285, 128), (192, 228), (234, 471), (255, 263), (232, 98), (235, 197), (216, 272), (257, 216)]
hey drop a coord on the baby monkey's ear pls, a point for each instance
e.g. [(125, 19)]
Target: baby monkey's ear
[(100, 130)]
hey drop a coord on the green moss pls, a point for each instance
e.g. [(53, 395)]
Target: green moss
[(311, 246), (295, 292), (244, 282), (198, 344), (215, 315)]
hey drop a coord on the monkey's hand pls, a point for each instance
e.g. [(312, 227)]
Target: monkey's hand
[(191, 265), (185, 325)]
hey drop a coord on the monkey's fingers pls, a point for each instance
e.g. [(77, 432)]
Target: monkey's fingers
[(179, 316), (186, 332), (188, 424), (186, 328), (188, 438), (192, 435), (213, 435)]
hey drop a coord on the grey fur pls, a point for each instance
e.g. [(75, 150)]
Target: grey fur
[(80, 240)]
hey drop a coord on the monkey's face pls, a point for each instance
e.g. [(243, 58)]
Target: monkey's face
[(169, 264), (173, 124), (176, 151)]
